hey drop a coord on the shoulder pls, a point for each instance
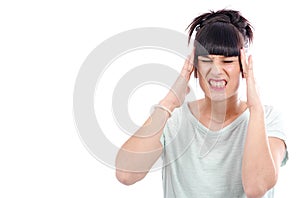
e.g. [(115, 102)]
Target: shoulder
[(274, 121), (193, 107), (272, 113), (276, 131), (270, 109), (181, 114)]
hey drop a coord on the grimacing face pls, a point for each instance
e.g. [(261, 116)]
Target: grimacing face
[(219, 76)]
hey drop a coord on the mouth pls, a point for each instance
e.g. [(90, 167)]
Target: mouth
[(217, 84)]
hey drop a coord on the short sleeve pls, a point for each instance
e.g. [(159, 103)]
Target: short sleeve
[(171, 128), (275, 127)]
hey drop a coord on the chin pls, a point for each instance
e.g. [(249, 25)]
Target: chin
[(218, 96)]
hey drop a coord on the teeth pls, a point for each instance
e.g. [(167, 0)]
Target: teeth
[(217, 84)]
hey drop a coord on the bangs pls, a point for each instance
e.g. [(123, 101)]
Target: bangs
[(219, 39)]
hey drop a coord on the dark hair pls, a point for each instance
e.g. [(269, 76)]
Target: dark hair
[(223, 32)]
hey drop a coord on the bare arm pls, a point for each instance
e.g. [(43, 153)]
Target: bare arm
[(141, 151), (262, 155)]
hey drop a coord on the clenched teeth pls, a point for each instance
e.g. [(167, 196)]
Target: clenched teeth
[(218, 83)]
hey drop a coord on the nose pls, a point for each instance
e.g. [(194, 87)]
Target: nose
[(216, 68)]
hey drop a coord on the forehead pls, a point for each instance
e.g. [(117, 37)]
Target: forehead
[(212, 56)]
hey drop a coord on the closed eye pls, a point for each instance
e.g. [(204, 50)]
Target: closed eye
[(205, 60), (228, 61)]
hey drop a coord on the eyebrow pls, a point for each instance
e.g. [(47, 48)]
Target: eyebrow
[(204, 56), (221, 57)]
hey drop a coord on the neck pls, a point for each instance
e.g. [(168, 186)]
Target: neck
[(221, 111)]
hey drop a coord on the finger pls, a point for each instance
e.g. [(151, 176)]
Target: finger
[(244, 63), (190, 69), (192, 57), (187, 68), (191, 65), (188, 89), (250, 66), (250, 63)]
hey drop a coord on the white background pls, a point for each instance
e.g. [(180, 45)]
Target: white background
[(42, 47)]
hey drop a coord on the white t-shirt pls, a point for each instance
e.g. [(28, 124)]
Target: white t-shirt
[(199, 163)]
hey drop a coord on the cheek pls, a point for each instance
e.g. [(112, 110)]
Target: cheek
[(234, 75), (233, 70), (203, 69), (202, 79)]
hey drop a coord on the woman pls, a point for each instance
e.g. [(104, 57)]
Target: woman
[(218, 146)]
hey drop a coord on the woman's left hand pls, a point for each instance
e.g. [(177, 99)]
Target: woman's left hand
[(253, 99)]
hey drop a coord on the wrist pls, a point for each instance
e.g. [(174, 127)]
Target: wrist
[(167, 105), (256, 108)]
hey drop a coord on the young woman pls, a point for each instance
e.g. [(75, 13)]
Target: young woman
[(218, 146)]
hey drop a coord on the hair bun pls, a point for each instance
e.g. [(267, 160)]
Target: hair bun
[(223, 16)]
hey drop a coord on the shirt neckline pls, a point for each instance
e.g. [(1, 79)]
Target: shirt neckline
[(206, 130)]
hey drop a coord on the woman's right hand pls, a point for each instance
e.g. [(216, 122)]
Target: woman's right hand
[(180, 88)]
